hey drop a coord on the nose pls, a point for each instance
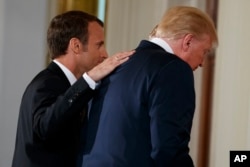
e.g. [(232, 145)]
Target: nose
[(104, 54)]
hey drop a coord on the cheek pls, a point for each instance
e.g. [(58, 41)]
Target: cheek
[(196, 58), (91, 54), (202, 55), (199, 54), (94, 57), (199, 58)]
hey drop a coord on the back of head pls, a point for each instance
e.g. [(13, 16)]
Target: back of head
[(181, 20), (63, 27)]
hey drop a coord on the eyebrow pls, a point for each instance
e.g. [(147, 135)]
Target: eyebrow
[(100, 43)]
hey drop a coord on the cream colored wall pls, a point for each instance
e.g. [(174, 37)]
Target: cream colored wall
[(231, 111), (1, 76), (130, 21), (22, 55)]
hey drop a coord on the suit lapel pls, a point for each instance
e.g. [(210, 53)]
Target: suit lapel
[(54, 68)]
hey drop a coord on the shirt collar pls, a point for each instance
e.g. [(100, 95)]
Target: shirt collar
[(162, 43), (70, 76)]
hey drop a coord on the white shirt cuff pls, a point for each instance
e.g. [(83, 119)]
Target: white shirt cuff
[(92, 84)]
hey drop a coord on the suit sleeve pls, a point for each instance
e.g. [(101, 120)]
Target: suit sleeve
[(172, 104), (56, 112)]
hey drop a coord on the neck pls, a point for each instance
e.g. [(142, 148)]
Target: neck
[(70, 65)]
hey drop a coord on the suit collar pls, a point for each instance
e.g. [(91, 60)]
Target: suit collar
[(150, 45), (54, 68), (70, 76), (162, 44)]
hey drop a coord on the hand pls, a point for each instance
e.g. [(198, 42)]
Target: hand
[(108, 65)]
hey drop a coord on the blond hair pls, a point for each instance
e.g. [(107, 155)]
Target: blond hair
[(180, 20)]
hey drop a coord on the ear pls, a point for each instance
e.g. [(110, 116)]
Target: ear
[(187, 41), (74, 45)]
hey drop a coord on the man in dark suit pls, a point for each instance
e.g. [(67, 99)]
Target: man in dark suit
[(142, 113), (52, 107)]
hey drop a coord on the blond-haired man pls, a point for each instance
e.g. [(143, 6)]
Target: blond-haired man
[(142, 114)]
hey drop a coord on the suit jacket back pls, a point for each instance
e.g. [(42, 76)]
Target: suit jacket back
[(142, 113)]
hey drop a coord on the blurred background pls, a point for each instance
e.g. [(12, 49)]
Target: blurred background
[(222, 118)]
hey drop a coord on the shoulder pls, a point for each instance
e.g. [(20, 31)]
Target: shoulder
[(48, 81)]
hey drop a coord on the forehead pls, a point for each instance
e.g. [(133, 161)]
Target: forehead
[(95, 30)]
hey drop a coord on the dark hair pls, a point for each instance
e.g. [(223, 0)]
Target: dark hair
[(63, 27)]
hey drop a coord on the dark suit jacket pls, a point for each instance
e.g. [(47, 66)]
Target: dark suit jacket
[(142, 113), (49, 121)]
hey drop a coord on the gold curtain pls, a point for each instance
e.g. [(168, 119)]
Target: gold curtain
[(89, 6)]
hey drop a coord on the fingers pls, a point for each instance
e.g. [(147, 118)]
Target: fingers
[(108, 65), (123, 56), (120, 61)]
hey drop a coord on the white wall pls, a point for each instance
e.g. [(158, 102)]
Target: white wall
[(231, 111), (1, 74), (22, 55)]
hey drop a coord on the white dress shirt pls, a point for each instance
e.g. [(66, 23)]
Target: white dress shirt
[(71, 77), (162, 43)]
